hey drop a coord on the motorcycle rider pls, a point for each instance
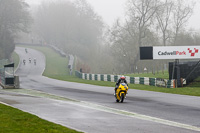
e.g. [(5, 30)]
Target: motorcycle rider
[(24, 61), (26, 50), (35, 61), (29, 60), (122, 79)]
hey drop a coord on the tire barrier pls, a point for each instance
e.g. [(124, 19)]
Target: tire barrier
[(131, 80)]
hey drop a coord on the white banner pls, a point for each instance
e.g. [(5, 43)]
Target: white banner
[(176, 52)]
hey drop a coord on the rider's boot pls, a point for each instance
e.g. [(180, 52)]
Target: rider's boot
[(115, 92)]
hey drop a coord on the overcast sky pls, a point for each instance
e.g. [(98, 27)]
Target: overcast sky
[(110, 10)]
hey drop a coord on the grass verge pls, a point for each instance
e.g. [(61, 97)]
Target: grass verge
[(159, 74), (60, 75), (16, 121)]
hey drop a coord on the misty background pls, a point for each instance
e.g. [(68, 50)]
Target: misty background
[(101, 44)]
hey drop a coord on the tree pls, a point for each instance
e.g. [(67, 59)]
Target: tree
[(127, 38), (122, 47), (148, 23), (142, 12), (14, 18), (188, 38), (181, 14), (73, 27), (163, 15)]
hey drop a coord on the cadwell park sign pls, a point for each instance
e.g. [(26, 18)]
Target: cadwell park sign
[(170, 52), (178, 71)]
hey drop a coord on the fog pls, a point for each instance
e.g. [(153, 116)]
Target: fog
[(102, 7), (105, 36)]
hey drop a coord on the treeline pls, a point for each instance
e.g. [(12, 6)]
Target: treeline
[(14, 18), (75, 28), (150, 23)]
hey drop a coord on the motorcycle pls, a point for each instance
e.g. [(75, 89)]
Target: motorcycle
[(24, 61), (121, 92), (26, 50), (35, 61)]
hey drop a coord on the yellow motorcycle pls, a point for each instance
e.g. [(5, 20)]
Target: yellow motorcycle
[(121, 92)]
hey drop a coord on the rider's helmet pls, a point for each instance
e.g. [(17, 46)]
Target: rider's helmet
[(122, 77)]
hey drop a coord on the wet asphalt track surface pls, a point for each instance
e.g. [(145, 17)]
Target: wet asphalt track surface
[(176, 108)]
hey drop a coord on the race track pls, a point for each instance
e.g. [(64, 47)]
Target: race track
[(93, 109)]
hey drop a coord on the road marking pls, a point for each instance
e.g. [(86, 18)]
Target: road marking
[(104, 108)]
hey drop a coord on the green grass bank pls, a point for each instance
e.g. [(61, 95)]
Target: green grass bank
[(16, 121), (160, 74)]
